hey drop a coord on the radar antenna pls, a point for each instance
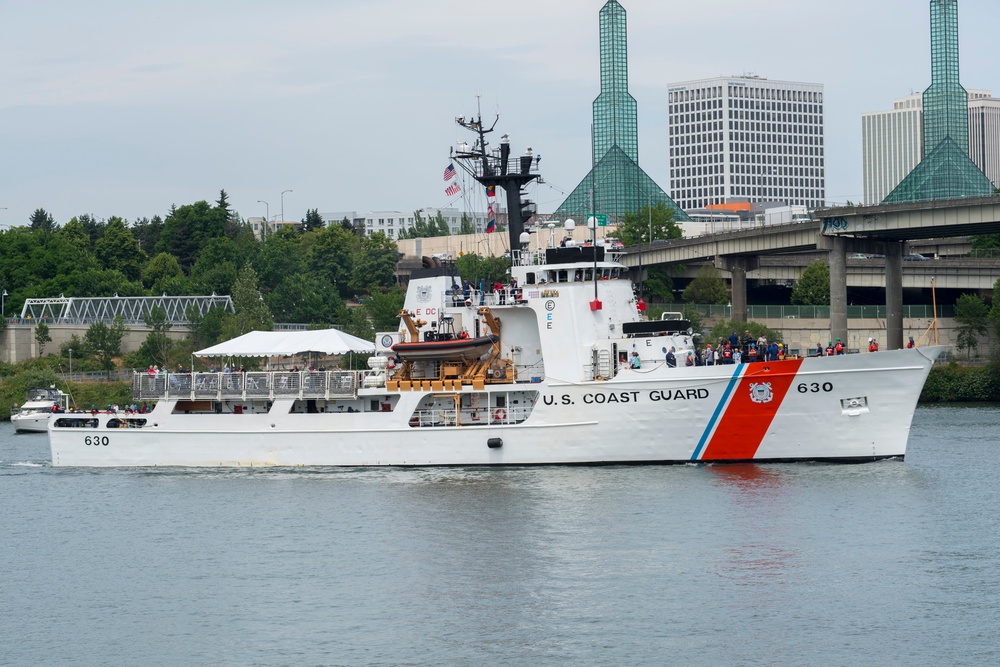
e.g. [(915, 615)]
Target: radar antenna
[(496, 168)]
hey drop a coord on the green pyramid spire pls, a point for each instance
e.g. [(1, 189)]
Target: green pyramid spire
[(617, 181), (946, 172)]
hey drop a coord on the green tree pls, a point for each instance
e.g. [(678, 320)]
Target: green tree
[(163, 275), (156, 347), (813, 288), (659, 284), (42, 337), (119, 251), (312, 221), (76, 236), (281, 256), (217, 266), (252, 314), (374, 263), (93, 227), (418, 229), (206, 330), (422, 228), (995, 309), (42, 221), (972, 317), (147, 233), (382, 308), (306, 299), (490, 270), (658, 220), (105, 342), (188, 228), (332, 256), (467, 226), (442, 228), (707, 287)]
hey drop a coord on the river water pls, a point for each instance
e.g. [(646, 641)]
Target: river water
[(889, 563)]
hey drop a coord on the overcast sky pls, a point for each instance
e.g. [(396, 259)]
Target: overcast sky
[(122, 108)]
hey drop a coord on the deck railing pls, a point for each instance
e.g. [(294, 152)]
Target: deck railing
[(246, 386)]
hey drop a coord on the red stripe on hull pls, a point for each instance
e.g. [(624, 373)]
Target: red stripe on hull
[(745, 422)]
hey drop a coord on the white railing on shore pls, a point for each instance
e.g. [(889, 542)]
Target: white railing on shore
[(247, 386)]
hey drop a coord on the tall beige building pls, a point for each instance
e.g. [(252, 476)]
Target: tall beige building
[(893, 144), (746, 138)]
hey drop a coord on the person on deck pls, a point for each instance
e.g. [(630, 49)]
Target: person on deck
[(671, 359), (745, 342), (635, 363), (910, 344)]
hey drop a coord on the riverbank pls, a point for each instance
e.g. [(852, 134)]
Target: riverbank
[(955, 383)]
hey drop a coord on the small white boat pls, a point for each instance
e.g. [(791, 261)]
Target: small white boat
[(34, 415)]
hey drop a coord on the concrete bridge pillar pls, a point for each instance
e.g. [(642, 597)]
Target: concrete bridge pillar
[(737, 266), (894, 296), (838, 289)]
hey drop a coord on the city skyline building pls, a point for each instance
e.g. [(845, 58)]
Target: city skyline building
[(946, 170), (893, 142), (616, 183), (746, 138), (394, 223)]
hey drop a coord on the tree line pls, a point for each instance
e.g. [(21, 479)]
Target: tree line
[(302, 273)]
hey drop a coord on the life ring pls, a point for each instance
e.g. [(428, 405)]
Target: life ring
[(499, 415), (391, 363)]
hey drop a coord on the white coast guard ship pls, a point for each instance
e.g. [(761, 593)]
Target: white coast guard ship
[(554, 387), (544, 377)]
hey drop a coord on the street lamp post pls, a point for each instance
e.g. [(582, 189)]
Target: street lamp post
[(3, 302), (283, 205), (267, 216), (70, 361)]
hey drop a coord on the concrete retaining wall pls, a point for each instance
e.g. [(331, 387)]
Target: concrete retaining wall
[(17, 341)]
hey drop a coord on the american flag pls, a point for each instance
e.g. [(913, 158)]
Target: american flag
[(449, 171), (452, 189)]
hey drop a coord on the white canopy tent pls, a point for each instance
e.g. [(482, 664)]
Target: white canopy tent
[(288, 343)]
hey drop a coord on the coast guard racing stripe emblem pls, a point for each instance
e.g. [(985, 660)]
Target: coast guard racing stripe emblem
[(748, 416)]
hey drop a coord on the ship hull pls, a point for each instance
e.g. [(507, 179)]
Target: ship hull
[(848, 408)]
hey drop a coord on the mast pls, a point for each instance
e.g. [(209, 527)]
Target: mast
[(497, 168)]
